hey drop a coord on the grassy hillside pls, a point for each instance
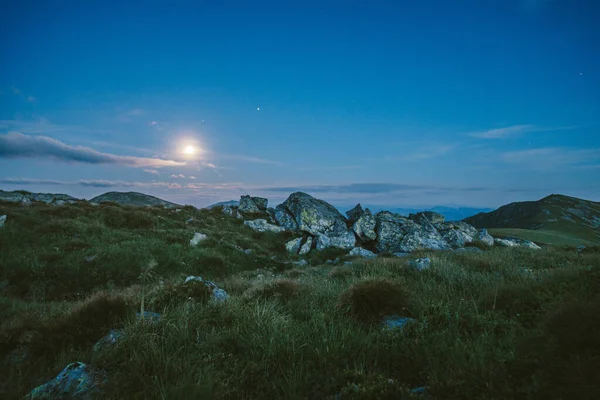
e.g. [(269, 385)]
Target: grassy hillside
[(132, 199), (573, 218), (508, 323), (542, 236)]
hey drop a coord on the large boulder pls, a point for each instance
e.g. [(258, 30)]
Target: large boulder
[(457, 234), (248, 206), (260, 202), (360, 252), (430, 216), (284, 218), (198, 237), (318, 218), (355, 213), (398, 234), (515, 242), (364, 227), (261, 225)]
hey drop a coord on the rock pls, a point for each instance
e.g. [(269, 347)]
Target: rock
[(301, 263), (229, 211), (485, 237), (456, 238), (110, 339), (392, 322), (420, 264), (248, 251), (189, 220), (329, 262), (336, 261), (401, 254), (305, 249), (515, 242), (198, 237), (248, 206), (430, 216), (76, 381), (260, 202), (355, 213), (360, 252), (90, 259), (364, 226), (320, 219), (218, 294), (293, 246), (419, 390), (398, 234), (285, 219), (347, 262), (261, 225), (2, 220), (469, 250)]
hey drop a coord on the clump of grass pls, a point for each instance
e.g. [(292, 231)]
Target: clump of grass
[(284, 289), (340, 273), (371, 299), (171, 295), (76, 244)]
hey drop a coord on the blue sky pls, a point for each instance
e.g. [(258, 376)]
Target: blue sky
[(465, 102)]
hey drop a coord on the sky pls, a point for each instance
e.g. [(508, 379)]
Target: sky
[(397, 103)]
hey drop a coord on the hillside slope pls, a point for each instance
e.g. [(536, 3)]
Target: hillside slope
[(558, 213), (132, 199)]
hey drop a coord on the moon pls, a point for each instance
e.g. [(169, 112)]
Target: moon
[(189, 150)]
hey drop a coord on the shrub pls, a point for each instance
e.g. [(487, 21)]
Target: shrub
[(340, 273), (371, 299)]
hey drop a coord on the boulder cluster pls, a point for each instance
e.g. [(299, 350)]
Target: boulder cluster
[(320, 225)]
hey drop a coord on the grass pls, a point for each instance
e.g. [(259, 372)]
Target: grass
[(543, 236), (507, 323)]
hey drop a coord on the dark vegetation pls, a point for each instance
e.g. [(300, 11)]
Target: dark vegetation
[(508, 323)]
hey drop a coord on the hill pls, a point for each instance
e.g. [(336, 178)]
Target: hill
[(234, 203), (23, 196), (132, 199), (569, 216)]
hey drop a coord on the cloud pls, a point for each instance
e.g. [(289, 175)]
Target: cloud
[(130, 115), (428, 152), (17, 145), (331, 168), (19, 93), (551, 157), (192, 177), (152, 171), (102, 183), (369, 188), (515, 130), (178, 176), (252, 159)]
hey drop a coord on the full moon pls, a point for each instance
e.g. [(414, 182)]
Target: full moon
[(189, 150)]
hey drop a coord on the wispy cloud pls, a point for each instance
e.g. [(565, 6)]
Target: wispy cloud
[(429, 152), (551, 157), (130, 115), (515, 130), (18, 145), (152, 171), (250, 159), (23, 96), (102, 183), (331, 168), (176, 176), (368, 188)]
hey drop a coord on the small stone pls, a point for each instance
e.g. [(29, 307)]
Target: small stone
[(360, 252), (395, 322), (2, 220), (248, 251), (198, 237), (77, 380), (336, 261), (110, 339), (328, 262), (420, 264)]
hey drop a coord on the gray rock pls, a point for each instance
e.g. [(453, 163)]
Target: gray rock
[(355, 213), (419, 390), (76, 381), (248, 251), (398, 234), (515, 242), (319, 219), (360, 252), (469, 250), (2, 220), (400, 254), (420, 264), (305, 249), (261, 225), (229, 211), (149, 316), (329, 262), (485, 237), (110, 339), (248, 206), (392, 322), (293, 246), (336, 261), (347, 262), (301, 263), (260, 202), (219, 295), (429, 216), (456, 238), (365, 225), (198, 237), (285, 219)]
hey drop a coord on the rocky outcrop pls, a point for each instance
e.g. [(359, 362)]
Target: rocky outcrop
[(515, 242), (231, 211), (398, 234), (365, 225), (248, 206), (360, 252), (420, 264), (457, 234), (355, 213), (26, 198), (133, 199), (260, 202), (430, 216), (317, 218), (261, 225)]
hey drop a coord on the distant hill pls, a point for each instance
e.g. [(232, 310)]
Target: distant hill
[(132, 199), (451, 213), (20, 196), (555, 213), (224, 203)]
